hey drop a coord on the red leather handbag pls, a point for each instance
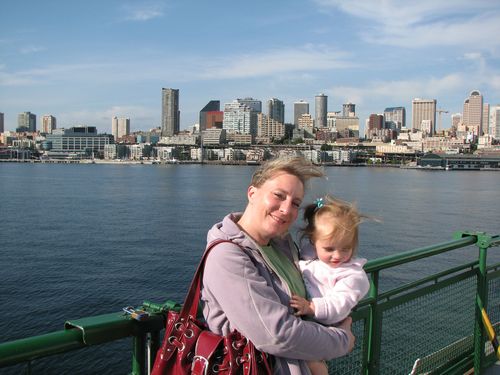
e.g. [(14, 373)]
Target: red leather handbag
[(188, 346)]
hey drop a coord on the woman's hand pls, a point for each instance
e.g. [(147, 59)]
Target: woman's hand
[(302, 306), (346, 326)]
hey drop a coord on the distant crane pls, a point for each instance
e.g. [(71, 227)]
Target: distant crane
[(440, 111)]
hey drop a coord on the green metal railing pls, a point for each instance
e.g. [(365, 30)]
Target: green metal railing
[(427, 326)]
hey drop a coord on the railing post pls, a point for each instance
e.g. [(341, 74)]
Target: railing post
[(139, 354), (374, 329), (481, 302)]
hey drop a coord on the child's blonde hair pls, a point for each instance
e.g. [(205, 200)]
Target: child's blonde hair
[(345, 219)]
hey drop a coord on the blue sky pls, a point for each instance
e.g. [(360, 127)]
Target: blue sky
[(87, 61)]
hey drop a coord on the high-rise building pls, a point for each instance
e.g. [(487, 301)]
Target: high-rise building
[(473, 112), (424, 112), (2, 125), (495, 121), (26, 122), (486, 119), (299, 108), (48, 123), (239, 118), (269, 127), (276, 110), (120, 127), (395, 118), (214, 119), (349, 110), (212, 106), (456, 119), (376, 122), (254, 104), (170, 118), (321, 106)]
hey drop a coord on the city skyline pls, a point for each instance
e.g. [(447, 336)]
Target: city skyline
[(114, 58)]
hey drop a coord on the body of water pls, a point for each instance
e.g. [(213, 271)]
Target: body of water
[(80, 240)]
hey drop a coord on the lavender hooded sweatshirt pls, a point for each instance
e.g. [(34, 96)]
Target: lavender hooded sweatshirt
[(241, 292)]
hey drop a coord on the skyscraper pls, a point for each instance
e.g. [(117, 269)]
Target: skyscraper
[(473, 112), (495, 121), (170, 118), (26, 122), (120, 126), (254, 104), (212, 106), (299, 108), (395, 118), (240, 118), (48, 123), (2, 128), (349, 110), (424, 112), (276, 110), (321, 104)]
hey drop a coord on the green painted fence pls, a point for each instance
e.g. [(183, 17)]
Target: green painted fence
[(430, 325)]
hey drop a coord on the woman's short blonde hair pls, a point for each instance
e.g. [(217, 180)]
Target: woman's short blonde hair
[(297, 166)]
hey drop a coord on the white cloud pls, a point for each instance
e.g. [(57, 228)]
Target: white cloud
[(302, 59), (143, 12), (402, 91), (31, 49), (426, 22)]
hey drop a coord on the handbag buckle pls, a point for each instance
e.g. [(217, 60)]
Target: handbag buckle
[(198, 360)]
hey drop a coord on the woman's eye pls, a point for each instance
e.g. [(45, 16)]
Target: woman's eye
[(296, 204)]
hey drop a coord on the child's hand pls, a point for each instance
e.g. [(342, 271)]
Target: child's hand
[(303, 306)]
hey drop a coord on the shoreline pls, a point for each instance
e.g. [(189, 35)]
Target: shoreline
[(237, 163)]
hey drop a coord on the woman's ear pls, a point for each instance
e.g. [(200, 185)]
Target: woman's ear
[(251, 192)]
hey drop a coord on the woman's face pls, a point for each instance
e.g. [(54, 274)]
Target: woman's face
[(274, 206)]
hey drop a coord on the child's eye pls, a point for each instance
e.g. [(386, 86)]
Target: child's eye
[(279, 195)]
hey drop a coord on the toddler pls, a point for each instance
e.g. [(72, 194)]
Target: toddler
[(335, 280)]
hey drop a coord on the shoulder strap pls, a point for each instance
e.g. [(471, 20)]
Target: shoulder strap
[(190, 306)]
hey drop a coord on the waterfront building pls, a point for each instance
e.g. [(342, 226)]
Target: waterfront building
[(213, 136), (48, 123), (395, 118), (473, 113), (26, 122), (495, 121), (207, 115), (349, 110), (181, 138), (2, 125), (347, 125), (268, 127), (424, 110), (299, 108), (240, 118), (120, 127), (79, 141), (170, 118), (276, 110), (321, 108)]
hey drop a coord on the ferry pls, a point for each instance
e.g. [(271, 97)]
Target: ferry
[(443, 323)]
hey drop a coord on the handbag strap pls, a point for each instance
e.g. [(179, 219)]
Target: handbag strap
[(190, 306)]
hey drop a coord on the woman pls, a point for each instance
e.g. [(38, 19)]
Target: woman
[(249, 289)]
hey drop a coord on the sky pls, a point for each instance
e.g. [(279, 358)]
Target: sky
[(87, 61)]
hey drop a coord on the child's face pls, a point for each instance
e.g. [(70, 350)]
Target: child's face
[(332, 251)]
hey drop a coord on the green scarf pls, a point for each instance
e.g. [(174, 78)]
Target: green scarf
[(285, 269)]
